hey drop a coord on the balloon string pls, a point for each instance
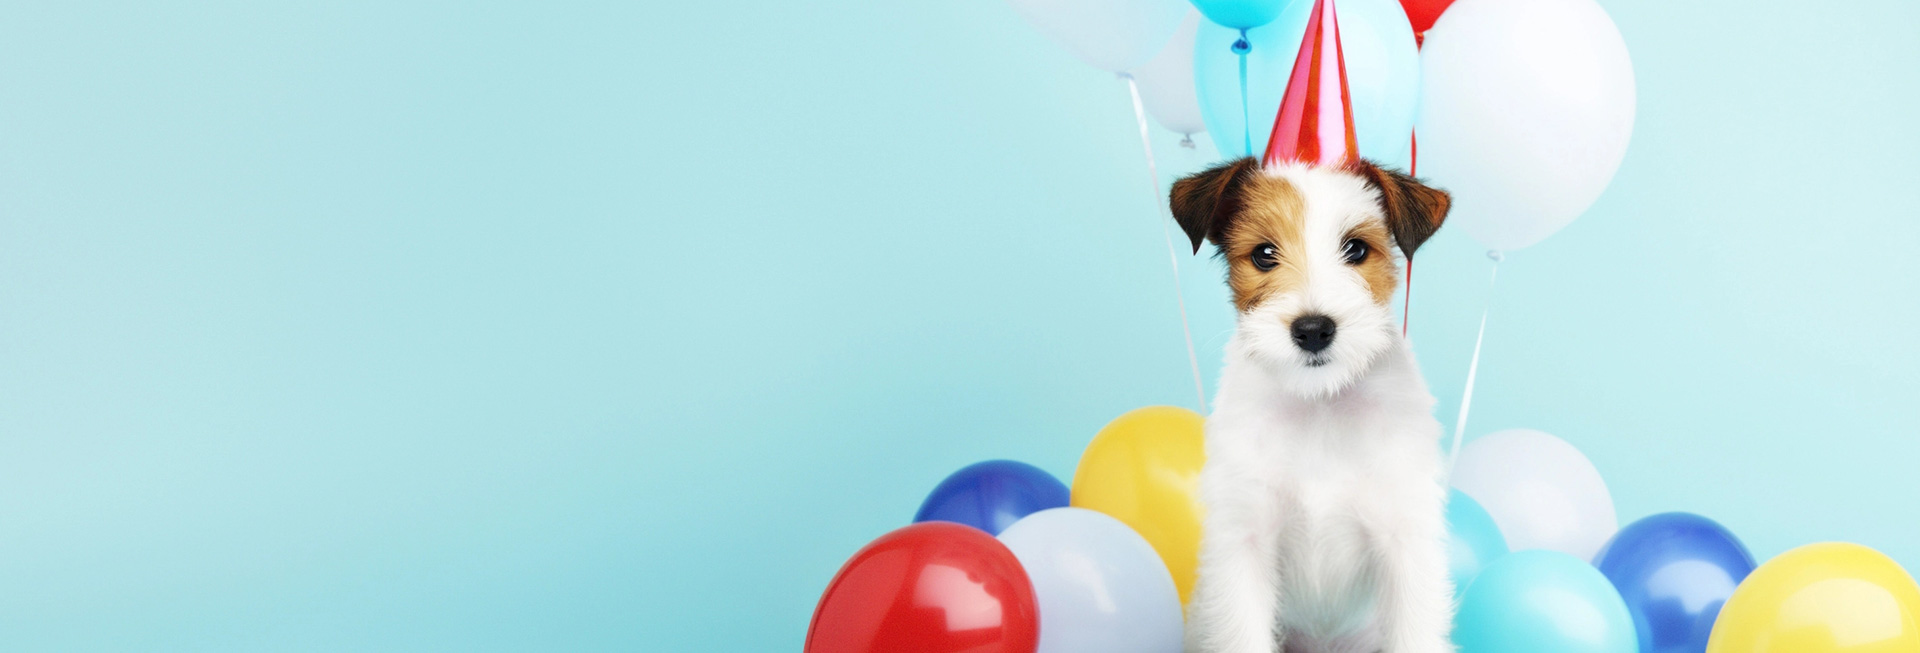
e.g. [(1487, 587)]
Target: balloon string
[(1473, 368), (1413, 154), (1241, 48), (1173, 256), (1406, 305), (1413, 170)]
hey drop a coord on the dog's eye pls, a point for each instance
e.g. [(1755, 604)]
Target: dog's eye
[(1265, 256), (1355, 251)]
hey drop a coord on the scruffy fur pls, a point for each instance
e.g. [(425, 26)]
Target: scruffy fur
[(1325, 528)]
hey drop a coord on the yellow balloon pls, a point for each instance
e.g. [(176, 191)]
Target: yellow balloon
[(1143, 469), (1822, 598)]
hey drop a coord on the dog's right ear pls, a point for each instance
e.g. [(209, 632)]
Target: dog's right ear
[(1205, 201)]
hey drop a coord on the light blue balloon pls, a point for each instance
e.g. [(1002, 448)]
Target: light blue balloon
[(1383, 74), (1100, 587), (1241, 14), (1473, 540), (1540, 601)]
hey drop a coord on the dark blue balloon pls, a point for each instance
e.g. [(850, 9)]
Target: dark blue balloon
[(992, 495), (1675, 570)]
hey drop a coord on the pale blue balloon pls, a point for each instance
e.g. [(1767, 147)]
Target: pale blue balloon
[(1240, 14), (1473, 540), (1540, 601), (1383, 74), (1100, 587)]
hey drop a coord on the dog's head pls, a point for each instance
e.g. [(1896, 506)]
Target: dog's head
[(1310, 258)]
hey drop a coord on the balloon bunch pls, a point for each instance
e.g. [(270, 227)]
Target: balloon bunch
[(1004, 558), (1669, 583), (1523, 107)]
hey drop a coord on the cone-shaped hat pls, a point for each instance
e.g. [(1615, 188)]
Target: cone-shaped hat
[(1315, 123)]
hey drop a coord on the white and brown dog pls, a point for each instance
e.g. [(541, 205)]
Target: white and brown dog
[(1325, 528)]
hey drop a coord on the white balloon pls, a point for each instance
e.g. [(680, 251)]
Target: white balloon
[(1166, 82), (1100, 587), (1116, 35), (1526, 113), (1542, 492)]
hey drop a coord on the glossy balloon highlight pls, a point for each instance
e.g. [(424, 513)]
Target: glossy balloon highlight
[(1674, 570), (992, 495), (1542, 602), (933, 587), (1240, 14), (1822, 598)]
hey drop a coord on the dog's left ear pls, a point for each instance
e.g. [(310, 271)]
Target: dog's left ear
[(1205, 202), (1414, 210)]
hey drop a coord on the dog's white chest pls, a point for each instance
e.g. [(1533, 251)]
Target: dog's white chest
[(1328, 572)]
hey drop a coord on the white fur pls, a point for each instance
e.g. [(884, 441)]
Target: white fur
[(1325, 528)]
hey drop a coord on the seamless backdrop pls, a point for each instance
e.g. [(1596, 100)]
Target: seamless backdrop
[(618, 326)]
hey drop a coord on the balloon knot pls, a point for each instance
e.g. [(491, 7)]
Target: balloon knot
[(1496, 255), (1241, 46), (1186, 141)]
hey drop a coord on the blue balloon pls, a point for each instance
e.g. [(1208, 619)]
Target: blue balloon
[(1383, 74), (1675, 570), (1540, 601), (992, 495), (1241, 14), (1473, 540)]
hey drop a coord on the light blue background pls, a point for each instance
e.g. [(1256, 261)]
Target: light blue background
[(618, 326)]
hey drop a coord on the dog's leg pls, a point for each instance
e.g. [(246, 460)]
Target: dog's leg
[(1237, 593), (1416, 594)]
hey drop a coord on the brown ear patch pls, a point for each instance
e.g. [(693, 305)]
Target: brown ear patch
[(1413, 210), (1204, 203)]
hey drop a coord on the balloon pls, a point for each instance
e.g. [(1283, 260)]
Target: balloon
[(1674, 570), (992, 495), (1473, 540), (1101, 589), (1542, 492), (1383, 77), (1143, 469), (1166, 83), (1822, 598), (1422, 13), (1542, 602), (1113, 35), (1526, 112), (1241, 14), (933, 587)]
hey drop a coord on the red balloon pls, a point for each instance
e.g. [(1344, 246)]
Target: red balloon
[(932, 587), (1422, 13)]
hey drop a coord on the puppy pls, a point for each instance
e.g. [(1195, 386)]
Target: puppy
[(1325, 528)]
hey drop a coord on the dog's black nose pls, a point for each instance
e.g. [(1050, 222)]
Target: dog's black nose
[(1313, 332)]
